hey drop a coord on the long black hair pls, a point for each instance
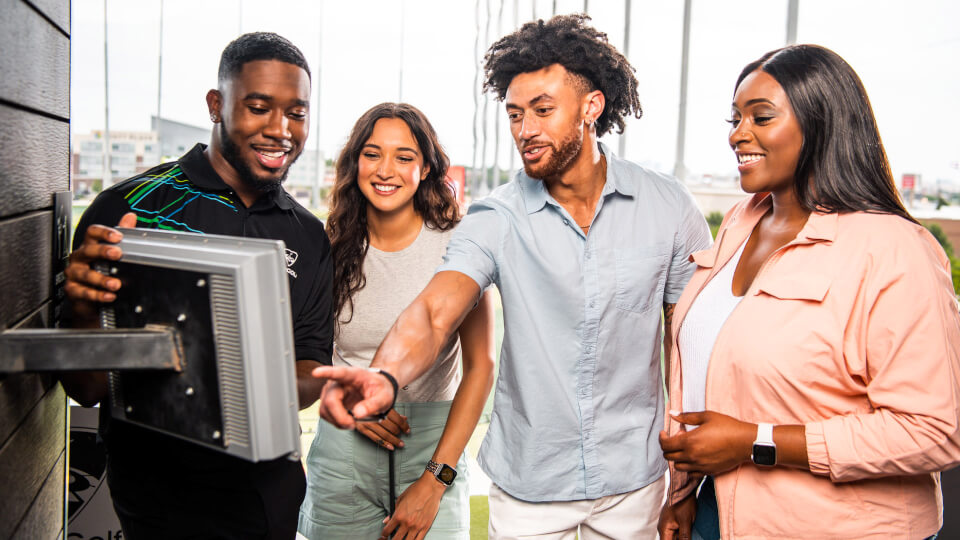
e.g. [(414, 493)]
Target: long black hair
[(842, 165), (434, 200)]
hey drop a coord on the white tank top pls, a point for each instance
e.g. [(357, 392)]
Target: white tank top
[(699, 331)]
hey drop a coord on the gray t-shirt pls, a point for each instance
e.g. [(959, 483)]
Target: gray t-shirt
[(394, 279)]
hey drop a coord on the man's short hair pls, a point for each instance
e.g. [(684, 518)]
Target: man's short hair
[(582, 50), (258, 46)]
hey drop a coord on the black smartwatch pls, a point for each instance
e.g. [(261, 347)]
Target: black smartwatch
[(764, 449), (444, 473)]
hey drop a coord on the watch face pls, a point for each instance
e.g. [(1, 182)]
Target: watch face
[(447, 474), (764, 454)]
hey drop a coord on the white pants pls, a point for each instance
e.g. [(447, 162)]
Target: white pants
[(628, 515)]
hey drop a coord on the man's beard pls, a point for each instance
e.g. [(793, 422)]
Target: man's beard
[(563, 156), (231, 153)]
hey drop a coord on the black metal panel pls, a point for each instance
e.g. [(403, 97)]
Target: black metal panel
[(185, 403)]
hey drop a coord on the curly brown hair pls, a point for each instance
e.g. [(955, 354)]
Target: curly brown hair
[(582, 50), (434, 200)]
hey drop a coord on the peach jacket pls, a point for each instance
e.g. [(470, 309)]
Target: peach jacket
[(851, 330)]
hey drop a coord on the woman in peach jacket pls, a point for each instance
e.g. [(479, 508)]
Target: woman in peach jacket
[(816, 377)]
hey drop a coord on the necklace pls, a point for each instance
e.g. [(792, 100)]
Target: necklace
[(603, 165)]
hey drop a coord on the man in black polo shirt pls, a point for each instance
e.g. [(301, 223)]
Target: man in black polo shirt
[(163, 487)]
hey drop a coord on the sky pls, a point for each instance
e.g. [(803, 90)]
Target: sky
[(906, 53)]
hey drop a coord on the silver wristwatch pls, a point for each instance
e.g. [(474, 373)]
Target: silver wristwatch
[(442, 472)]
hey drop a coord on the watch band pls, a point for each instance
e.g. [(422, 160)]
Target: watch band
[(764, 434), (444, 473), (764, 451)]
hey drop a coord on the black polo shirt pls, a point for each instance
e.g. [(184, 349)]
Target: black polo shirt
[(148, 470)]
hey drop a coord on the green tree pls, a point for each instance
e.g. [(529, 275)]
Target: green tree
[(714, 219), (937, 232)]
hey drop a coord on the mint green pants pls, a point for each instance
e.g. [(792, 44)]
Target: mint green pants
[(348, 493)]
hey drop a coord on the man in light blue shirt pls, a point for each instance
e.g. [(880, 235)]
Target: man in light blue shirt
[(587, 251)]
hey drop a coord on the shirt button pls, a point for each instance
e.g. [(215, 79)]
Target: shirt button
[(565, 222), (593, 303), (588, 255)]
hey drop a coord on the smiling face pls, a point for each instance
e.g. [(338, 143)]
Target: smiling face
[(765, 135), (546, 111), (390, 167), (264, 121)]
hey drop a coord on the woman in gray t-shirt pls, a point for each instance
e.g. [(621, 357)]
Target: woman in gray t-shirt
[(391, 216)]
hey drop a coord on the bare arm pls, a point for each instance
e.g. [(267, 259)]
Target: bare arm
[(417, 506), (722, 443), (308, 387), (667, 340), (420, 332), (477, 342), (407, 352)]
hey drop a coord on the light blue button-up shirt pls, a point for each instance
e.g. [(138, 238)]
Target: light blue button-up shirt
[(579, 399)]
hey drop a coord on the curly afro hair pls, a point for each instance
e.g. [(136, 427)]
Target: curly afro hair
[(582, 50)]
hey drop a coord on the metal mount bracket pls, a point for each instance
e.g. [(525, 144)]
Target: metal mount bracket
[(49, 349)]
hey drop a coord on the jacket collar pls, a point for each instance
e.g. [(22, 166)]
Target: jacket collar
[(820, 227)]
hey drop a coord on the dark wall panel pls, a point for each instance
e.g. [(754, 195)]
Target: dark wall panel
[(34, 163), (34, 160), (29, 457), (45, 517), (19, 394), (951, 504), (25, 262), (35, 64), (58, 11)]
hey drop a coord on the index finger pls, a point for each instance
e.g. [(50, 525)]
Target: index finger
[(371, 390), (689, 418), (102, 233), (391, 526), (672, 444), (342, 374), (331, 406), (98, 233)]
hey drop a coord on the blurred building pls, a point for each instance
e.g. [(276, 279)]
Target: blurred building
[(133, 152), (176, 138), (130, 152)]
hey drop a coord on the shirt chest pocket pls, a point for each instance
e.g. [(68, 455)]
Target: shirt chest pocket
[(640, 277)]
